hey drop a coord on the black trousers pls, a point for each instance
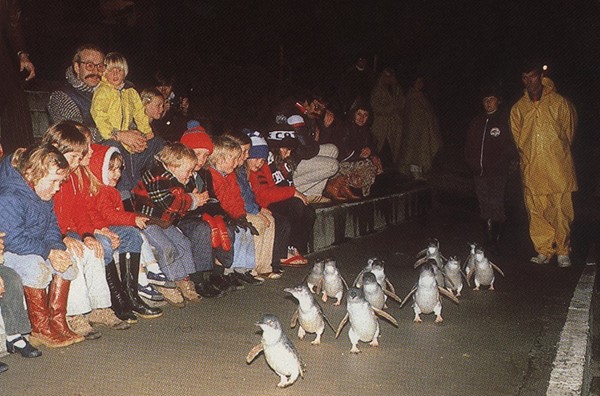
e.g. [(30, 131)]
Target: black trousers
[(301, 218)]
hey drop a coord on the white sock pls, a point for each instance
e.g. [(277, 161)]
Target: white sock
[(153, 267), (227, 271), (142, 278), (18, 344)]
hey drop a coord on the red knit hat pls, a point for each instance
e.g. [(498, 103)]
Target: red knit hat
[(197, 137)]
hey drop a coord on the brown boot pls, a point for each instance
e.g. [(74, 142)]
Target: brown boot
[(58, 294), (333, 189), (39, 315), (172, 296), (106, 317), (187, 289)]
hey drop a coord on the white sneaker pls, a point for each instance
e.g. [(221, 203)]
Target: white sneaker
[(563, 261), (540, 259)]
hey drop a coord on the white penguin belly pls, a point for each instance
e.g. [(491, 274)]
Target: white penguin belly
[(281, 359), (427, 299), (363, 322), (311, 320)]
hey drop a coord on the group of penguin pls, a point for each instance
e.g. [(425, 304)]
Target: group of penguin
[(365, 300)]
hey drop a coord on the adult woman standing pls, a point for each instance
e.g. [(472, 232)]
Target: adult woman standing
[(387, 102)]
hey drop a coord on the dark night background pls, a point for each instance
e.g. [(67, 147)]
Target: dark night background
[(229, 51)]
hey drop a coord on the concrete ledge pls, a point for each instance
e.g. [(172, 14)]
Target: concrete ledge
[(334, 224), (571, 367)]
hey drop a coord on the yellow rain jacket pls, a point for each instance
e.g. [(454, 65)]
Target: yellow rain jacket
[(543, 133), (115, 110)]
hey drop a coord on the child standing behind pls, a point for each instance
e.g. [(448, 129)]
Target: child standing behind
[(166, 194), (122, 122)]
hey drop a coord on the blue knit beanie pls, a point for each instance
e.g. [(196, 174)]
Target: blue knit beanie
[(259, 148)]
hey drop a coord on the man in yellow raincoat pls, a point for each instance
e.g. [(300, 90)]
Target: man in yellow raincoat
[(543, 125)]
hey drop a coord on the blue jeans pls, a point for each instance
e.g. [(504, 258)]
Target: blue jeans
[(204, 255), (131, 241), (173, 251), (35, 272)]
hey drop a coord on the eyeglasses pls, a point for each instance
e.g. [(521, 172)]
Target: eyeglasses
[(90, 66)]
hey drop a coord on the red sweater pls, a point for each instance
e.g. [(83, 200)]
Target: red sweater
[(265, 189), (228, 193), (72, 205), (107, 209)]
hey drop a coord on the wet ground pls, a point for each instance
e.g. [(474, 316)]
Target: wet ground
[(494, 343)]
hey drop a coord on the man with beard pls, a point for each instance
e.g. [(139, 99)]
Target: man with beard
[(74, 99)]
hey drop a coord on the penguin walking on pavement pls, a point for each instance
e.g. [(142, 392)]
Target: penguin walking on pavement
[(280, 353), (315, 276), (364, 325), (309, 314), (376, 266), (483, 271), (374, 293), (333, 282), (454, 276), (426, 294)]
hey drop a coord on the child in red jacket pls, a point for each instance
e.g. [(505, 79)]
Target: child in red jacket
[(107, 212), (285, 200), (223, 161)]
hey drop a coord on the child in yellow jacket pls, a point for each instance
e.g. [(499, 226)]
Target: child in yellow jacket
[(116, 105)]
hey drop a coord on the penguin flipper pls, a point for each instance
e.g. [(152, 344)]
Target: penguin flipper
[(448, 294), (344, 282), (470, 274), (408, 295), (420, 262), (393, 296), (294, 320), (385, 315), (462, 273), (389, 284), (254, 352), (421, 253), (319, 286), (494, 266), (327, 321), (341, 325), (358, 279)]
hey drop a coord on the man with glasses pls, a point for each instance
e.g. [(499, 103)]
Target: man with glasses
[(73, 100)]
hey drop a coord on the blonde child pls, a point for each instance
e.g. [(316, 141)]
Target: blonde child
[(33, 244), (122, 122), (165, 194), (226, 157)]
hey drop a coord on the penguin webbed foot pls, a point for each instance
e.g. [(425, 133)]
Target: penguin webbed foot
[(374, 343), (324, 297), (417, 319), (354, 349), (439, 319)]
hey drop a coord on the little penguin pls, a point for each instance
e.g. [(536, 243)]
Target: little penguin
[(432, 251), (364, 325), (483, 270), (315, 276), (374, 293), (470, 261), (333, 282), (376, 266), (309, 314), (280, 353), (454, 275), (426, 295)]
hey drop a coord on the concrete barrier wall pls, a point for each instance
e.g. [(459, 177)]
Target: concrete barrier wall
[(336, 223)]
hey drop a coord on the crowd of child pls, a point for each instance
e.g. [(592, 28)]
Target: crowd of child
[(97, 218)]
